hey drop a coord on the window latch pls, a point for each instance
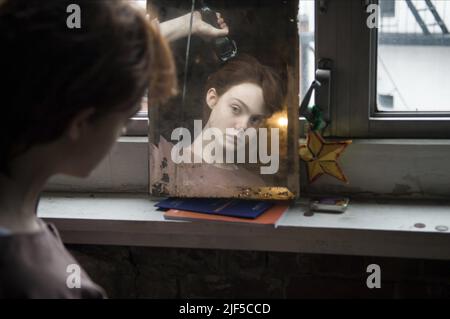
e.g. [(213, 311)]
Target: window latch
[(319, 114)]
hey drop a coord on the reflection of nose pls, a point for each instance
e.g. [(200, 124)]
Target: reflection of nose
[(242, 123)]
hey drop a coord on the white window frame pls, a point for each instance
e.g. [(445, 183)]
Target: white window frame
[(390, 156), (343, 36)]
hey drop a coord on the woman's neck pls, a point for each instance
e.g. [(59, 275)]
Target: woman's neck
[(197, 147), (19, 196)]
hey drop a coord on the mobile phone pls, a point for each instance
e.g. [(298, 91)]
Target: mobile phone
[(330, 204)]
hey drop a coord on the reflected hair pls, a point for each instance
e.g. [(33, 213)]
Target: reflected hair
[(247, 69)]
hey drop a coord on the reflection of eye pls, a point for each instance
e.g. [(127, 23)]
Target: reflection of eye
[(255, 120), (235, 109)]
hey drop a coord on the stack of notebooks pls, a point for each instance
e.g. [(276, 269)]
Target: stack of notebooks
[(223, 210)]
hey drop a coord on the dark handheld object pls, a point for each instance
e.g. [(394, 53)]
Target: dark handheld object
[(224, 47)]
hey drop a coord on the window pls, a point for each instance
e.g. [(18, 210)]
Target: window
[(414, 56), (306, 20), (365, 101), (406, 57)]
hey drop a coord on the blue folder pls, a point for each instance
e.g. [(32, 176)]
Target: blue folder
[(226, 207)]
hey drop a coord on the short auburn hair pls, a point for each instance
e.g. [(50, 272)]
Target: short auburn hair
[(246, 68), (51, 72)]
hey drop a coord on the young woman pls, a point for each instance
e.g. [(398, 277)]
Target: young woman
[(66, 95), (240, 95)]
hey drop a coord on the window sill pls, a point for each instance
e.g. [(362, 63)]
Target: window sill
[(370, 228)]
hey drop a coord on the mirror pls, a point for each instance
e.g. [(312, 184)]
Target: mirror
[(232, 131)]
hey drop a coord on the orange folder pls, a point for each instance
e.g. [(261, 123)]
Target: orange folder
[(269, 217)]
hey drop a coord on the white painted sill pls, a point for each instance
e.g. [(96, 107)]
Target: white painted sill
[(368, 228)]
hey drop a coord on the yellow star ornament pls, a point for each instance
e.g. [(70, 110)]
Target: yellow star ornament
[(321, 156)]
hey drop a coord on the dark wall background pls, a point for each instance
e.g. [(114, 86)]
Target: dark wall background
[(140, 272)]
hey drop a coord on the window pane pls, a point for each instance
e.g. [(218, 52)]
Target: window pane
[(414, 56), (307, 48)]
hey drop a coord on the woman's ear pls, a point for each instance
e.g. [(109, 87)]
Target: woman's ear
[(211, 98), (80, 124)]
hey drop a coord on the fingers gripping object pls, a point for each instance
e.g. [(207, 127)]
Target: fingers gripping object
[(224, 47)]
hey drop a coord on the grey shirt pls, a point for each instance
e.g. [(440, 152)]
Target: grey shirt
[(37, 265)]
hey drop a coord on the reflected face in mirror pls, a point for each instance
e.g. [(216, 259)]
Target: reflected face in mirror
[(239, 108)]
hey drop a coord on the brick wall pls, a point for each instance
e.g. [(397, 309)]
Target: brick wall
[(140, 272)]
